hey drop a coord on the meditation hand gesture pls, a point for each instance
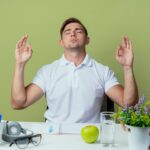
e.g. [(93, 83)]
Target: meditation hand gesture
[(23, 50), (124, 53)]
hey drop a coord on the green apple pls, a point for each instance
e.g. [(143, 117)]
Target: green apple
[(90, 133)]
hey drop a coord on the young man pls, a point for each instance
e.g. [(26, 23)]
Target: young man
[(75, 84)]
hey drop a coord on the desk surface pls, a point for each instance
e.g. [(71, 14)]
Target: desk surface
[(68, 141)]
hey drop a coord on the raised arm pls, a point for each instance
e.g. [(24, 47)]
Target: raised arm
[(22, 96), (127, 94)]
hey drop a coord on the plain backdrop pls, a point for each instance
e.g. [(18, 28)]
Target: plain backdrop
[(106, 20)]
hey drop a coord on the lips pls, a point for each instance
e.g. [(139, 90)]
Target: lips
[(73, 40)]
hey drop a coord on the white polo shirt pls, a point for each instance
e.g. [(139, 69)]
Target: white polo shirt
[(74, 94)]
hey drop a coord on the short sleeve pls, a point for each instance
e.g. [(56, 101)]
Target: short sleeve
[(110, 79), (39, 79)]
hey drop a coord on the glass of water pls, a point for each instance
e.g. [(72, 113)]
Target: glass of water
[(107, 128)]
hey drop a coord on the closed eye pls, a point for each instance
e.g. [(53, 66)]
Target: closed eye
[(67, 31), (79, 31)]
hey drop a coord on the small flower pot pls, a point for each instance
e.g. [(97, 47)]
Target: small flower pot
[(138, 138)]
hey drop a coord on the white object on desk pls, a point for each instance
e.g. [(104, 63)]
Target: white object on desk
[(65, 141), (74, 128), (41, 127), (1, 130), (52, 128)]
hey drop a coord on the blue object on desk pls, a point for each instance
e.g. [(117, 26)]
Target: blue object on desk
[(50, 130), (0, 117)]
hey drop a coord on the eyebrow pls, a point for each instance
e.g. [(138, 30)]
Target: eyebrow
[(75, 29)]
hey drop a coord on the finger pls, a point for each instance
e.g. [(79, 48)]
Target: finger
[(123, 42), (127, 41), (29, 47), (21, 41), (117, 53), (118, 50), (130, 44), (24, 40)]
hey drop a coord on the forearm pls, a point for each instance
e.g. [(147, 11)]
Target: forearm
[(130, 87), (18, 88)]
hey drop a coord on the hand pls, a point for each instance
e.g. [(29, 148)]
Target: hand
[(124, 53), (23, 50)]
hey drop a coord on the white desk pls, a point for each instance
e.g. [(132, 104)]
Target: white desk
[(67, 141)]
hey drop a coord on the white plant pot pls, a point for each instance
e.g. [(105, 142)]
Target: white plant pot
[(138, 138)]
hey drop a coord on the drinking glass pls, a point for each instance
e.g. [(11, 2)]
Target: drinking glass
[(107, 128)]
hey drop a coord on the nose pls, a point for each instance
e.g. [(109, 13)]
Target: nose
[(73, 33)]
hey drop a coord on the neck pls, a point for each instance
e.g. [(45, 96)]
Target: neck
[(77, 56)]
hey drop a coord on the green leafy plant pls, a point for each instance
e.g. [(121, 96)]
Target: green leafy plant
[(138, 115)]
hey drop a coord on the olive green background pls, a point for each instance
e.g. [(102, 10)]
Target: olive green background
[(106, 20)]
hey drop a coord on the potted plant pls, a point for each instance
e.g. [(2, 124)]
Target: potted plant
[(137, 120)]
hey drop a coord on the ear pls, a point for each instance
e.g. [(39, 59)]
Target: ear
[(87, 40), (61, 43)]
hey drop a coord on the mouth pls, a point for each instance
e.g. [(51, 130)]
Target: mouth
[(73, 40)]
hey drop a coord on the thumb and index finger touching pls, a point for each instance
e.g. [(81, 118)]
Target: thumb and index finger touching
[(22, 42), (125, 44)]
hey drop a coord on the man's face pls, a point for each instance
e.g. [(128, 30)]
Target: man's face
[(74, 37)]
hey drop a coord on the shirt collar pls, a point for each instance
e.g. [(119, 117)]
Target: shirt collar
[(87, 61)]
